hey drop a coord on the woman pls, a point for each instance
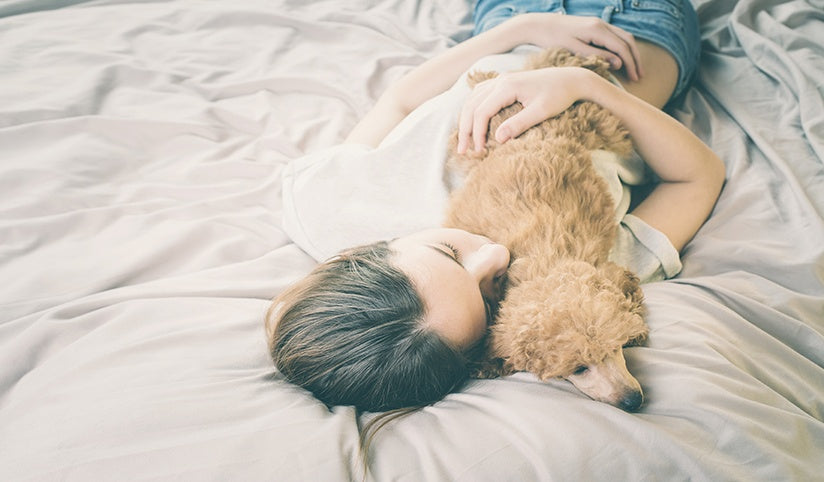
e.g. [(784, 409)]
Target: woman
[(394, 324)]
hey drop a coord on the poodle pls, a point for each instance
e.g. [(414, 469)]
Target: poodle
[(567, 310)]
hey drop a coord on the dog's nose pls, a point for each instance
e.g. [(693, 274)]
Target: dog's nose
[(631, 401)]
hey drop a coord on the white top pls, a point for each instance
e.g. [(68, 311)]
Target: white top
[(353, 194)]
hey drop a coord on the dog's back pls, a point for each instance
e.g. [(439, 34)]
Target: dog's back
[(540, 195)]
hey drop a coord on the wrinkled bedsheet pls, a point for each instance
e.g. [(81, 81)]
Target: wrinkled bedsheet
[(141, 149)]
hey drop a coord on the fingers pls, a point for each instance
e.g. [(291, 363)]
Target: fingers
[(466, 119), (585, 50), (486, 99), (543, 92), (635, 54), (614, 44), (519, 123)]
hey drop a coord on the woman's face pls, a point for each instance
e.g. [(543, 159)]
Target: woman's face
[(459, 276)]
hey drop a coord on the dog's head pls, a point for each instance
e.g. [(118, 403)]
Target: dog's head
[(609, 381), (573, 323)]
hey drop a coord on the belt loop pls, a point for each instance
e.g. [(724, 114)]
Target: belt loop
[(562, 9), (606, 13)]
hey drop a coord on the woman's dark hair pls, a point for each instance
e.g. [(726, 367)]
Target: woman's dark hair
[(352, 333)]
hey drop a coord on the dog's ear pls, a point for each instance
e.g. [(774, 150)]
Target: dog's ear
[(637, 329), (545, 321), (631, 287), (627, 282), (638, 339)]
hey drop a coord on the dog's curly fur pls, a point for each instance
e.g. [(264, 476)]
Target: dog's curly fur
[(566, 304)]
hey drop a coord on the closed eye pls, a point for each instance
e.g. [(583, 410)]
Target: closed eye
[(455, 253), (450, 252), (580, 370)]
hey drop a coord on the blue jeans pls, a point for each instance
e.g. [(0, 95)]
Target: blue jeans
[(670, 24)]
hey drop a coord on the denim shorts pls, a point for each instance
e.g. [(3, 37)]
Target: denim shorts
[(670, 24)]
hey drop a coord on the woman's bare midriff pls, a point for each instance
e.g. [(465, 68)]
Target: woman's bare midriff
[(660, 75)]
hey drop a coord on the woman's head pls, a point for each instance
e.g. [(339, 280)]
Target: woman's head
[(458, 275), (389, 325)]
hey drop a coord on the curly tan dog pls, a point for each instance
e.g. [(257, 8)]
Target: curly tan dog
[(568, 311)]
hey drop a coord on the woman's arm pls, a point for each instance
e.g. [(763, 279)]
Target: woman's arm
[(691, 174), (583, 35)]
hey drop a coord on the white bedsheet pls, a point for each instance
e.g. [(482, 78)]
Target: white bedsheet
[(141, 149)]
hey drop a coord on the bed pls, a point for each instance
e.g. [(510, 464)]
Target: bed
[(143, 145)]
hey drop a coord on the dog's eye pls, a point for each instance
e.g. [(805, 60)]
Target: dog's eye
[(580, 370)]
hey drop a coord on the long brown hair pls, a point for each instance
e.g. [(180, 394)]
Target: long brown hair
[(351, 333)]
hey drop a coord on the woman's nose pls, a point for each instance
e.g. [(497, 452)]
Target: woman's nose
[(487, 265)]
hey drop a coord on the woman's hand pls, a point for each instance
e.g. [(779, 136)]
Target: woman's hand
[(584, 36), (544, 93)]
